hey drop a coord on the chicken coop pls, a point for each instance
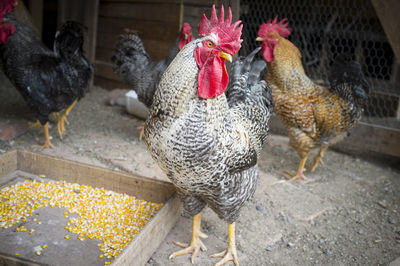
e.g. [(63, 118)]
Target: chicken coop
[(321, 30), (103, 146)]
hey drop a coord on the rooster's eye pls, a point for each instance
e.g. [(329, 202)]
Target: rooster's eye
[(210, 44)]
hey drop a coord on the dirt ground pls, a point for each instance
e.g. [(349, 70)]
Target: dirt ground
[(346, 213)]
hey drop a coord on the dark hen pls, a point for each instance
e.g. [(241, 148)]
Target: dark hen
[(134, 65), (49, 81)]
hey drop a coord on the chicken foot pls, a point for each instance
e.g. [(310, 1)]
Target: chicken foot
[(300, 169), (63, 119), (230, 253), (196, 244), (318, 159), (34, 124), (47, 143)]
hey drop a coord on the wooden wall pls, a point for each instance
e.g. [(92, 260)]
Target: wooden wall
[(157, 23)]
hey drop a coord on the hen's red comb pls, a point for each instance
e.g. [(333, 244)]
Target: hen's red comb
[(280, 27), (6, 6), (228, 34), (186, 28)]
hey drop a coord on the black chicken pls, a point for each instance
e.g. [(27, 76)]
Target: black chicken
[(49, 81)]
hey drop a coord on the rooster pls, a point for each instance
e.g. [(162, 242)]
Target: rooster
[(49, 81), (208, 143), (134, 65), (315, 116)]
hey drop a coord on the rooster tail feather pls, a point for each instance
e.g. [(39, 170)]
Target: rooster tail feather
[(347, 79), (69, 39), (128, 46)]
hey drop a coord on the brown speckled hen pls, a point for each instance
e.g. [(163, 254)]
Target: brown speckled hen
[(315, 116), (206, 141)]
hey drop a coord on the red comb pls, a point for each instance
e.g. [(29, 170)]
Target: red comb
[(6, 6), (228, 34), (280, 27)]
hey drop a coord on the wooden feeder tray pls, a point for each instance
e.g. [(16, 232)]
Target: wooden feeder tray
[(20, 165)]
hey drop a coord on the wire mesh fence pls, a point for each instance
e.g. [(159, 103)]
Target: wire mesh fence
[(324, 29)]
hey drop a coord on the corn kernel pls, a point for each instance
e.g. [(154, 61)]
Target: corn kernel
[(38, 252), (44, 246), (101, 256), (17, 254), (111, 217)]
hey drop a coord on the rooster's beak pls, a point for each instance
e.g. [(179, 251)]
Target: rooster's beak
[(259, 39), (226, 56)]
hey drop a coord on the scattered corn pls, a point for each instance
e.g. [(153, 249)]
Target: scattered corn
[(17, 254), (31, 231), (44, 246), (38, 252), (111, 217)]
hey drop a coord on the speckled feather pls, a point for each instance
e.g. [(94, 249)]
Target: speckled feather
[(134, 65), (314, 115), (207, 147)]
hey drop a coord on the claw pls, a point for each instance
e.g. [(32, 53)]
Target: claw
[(227, 255), (195, 245), (230, 253), (47, 143)]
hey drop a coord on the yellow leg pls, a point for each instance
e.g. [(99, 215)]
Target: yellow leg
[(141, 128), (63, 119), (56, 115), (47, 143), (318, 159), (300, 169), (196, 244), (230, 253), (34, 124)]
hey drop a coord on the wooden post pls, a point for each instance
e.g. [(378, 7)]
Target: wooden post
[(85, 12), (36, 10), (387, 11)]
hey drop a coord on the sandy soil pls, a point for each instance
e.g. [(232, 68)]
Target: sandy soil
[(346, 213)]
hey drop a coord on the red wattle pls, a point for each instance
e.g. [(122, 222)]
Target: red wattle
[(213, 78)]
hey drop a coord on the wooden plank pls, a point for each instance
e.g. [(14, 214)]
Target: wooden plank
[(366, 138), (142, 1), (163, 12), (85, 12), (36, 10), (109, 84), (167, 31), (137, 253), (8, 260), (84, 174), (104, 69), (157, 50), (387, 11), (90, 19), (363, 139), (8, 163), (104, 54)]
